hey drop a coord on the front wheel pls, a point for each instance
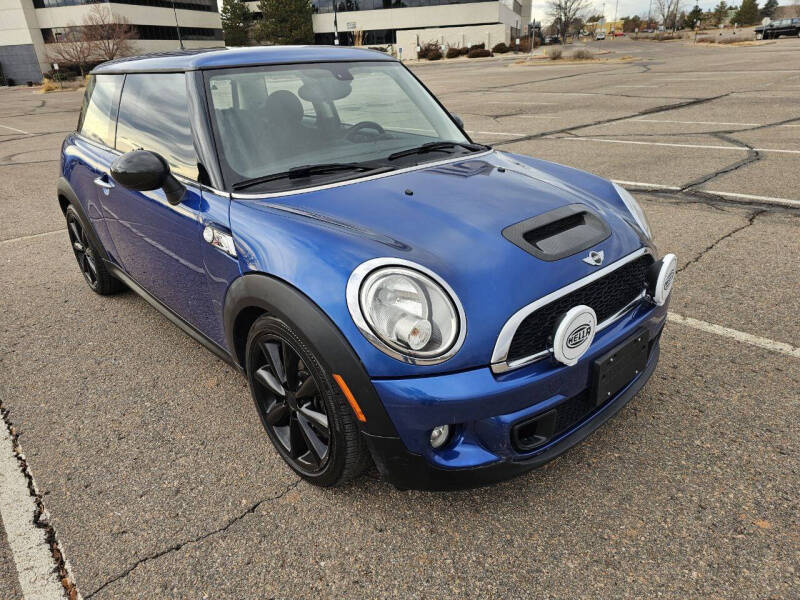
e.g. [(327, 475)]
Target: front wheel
[(89, 259), (311, 426)]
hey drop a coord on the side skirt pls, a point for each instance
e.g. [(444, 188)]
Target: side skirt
[(176, 319)]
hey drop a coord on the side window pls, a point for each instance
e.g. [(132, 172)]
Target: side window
[(99, 110), (154, 115)]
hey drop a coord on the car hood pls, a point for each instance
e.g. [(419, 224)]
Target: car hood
[(450, 218)]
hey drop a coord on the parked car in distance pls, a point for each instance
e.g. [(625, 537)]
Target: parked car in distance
[(600, 35), (552, 39), (776, 29), (394, 292)]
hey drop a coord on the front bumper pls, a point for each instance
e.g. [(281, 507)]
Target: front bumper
[(483, 408)]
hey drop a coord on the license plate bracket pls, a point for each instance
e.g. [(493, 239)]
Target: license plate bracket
[(616, 368)]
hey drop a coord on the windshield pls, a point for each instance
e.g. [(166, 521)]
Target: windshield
[(356, 116)]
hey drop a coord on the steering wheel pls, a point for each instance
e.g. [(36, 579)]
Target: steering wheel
[(356, 129)]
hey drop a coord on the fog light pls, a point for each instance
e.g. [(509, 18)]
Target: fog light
[(665, 279), (440, 435)]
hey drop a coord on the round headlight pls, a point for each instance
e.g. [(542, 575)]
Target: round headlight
[(406, 310), (634, 208)]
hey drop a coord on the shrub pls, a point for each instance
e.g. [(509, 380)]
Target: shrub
[(500, 48), (554, 53), (479, 53), (454, 52), (49, 86), (663, 37), (477, 47), (464, 50), (524, 45), (727, 40), (431, 51), (582, 55)]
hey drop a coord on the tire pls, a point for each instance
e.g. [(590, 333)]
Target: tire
[(89, 258), (301, 408)]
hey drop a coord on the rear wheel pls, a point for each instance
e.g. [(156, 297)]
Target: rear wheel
[(89, 259), (307, 420)]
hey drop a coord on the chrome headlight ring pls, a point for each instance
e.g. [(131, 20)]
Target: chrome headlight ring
[(406, 311)]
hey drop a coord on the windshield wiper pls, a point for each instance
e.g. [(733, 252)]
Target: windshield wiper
[(309, 170), (434, 146)]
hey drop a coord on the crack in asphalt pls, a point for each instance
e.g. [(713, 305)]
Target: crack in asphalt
[(753, 156), (178, 546), (41, 518), (647, 111), (750, 220)]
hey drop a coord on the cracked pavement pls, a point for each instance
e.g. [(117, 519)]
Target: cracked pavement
[(160, 483)]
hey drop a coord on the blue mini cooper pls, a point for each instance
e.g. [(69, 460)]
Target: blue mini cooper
[(394, 293)]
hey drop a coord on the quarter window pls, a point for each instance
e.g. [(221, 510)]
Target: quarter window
[(154, 115), (99, 110)]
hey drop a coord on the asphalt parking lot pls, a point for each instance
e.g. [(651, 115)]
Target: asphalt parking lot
[(159, 482)]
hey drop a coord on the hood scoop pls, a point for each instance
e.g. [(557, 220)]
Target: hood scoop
[(559, 233)]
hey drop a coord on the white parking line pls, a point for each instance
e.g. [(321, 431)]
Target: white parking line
[(526, 103), (15, 129), (30, 237), (735, 334), (35, 567), (696, 122), (708, 123), (766, 199), (700, 146)]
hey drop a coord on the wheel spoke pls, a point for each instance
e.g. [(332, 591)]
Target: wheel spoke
[(307, 389), (77, 246), (75, 232), (318, 418), (297, 440), (273, 352), (92, 266), (284, 435), (266, 378), (316, 445), (277, 412), (290, 364)]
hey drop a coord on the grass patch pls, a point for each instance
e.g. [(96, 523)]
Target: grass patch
[(582, 55)]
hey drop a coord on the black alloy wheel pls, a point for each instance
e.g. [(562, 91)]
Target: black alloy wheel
[(310, 425), (89, 259), (83, 250)]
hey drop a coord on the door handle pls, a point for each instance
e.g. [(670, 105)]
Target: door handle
[(100, 182)]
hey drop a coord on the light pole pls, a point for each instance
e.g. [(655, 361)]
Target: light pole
[(177, 28), (335, 26)]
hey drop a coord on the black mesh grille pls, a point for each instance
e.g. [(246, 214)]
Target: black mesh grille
[(606, 296)]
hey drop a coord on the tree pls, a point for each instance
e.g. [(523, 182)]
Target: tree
[(720, 13), (236, 18), (747, 13), (565, 12), (285, 22), (71, 48), (668, 11), (695, 16), (768, 10), (110, 35), (594, 19), (631, 24)]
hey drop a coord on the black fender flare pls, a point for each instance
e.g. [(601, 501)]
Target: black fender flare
[(64, 189), (276, 297)]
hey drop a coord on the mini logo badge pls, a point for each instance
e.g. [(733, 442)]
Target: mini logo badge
[(595, 258), (577, 337)]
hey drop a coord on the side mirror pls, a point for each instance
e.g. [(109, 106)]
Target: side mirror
[(143, 171), (459, 121)]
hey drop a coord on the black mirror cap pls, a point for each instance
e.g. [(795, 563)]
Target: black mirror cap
[(140, 170), (459, 121)]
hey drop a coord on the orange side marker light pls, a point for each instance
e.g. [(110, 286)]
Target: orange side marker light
[(350, 398)]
